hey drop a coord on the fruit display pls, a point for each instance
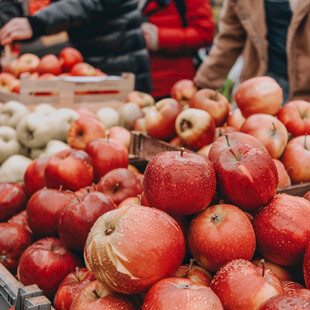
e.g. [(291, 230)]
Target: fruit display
[(202, 226)]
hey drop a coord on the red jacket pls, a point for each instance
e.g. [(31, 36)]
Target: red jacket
[(174, 59)]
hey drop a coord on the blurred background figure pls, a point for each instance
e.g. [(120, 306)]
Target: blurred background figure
[(175, 30), (273, 38), (107, 33)]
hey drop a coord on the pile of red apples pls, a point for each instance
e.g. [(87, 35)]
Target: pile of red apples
[(188, 232), (69, 62)]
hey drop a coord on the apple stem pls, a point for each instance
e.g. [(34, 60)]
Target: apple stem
[(94, 187), (262, 261), (216, 94), (232, 152), (227, 140), (74, 194), (76, 274), (60, 188), (182, 151), (215, 219), (96, 294), (139, 200), (116, 188), (274, 129), (109, 231), (305, 143), (190, 266), (107, 133)]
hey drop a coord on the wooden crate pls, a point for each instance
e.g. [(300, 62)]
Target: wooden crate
[(74, 92), (14, 293)]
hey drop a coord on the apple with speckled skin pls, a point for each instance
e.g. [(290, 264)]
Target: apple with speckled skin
[(220, 234), (295, 115), (127, 249), (296, 299), (269, 130), (242, 169), (170, 173), (282, 229), (241, 285), (178, 293), (260, 94)]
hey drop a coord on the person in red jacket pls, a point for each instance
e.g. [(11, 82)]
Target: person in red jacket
[(172, 39)]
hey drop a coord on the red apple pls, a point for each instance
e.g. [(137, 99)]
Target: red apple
[(178, 293), (46, 263), (85, 112), (241, 285), (70, 169), (97, 296), (235, 119), (83, 69), (284, 178), (26, 63), (73, 283), (43, 210), (237, 175), (194, 273), (79, 215), (107, 154), (284, 273), (119, 184), (183, 91), (7, 82), (160, 118), (295, 115), (49, 64), (296, 159), (127, 249), (129, 201), (230, 139), (290, 286), (269, 130), (140, 98), (69, 57), (282, 229), (179, 182), (21, 218), (84, 130), (213, 102), (220, 234), (121, 134), (289, 300), (13, 199), (306, 266), (195, 127), (16, 87), (222, 131), (260, 94), (14, 239), (34, 177)]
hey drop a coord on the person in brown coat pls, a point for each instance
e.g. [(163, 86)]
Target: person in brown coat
[(273, 36)]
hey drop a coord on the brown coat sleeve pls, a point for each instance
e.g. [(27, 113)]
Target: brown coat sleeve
[(228, 45)]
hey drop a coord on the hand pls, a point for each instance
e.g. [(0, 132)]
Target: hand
[(150, 32), (16, 29)]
